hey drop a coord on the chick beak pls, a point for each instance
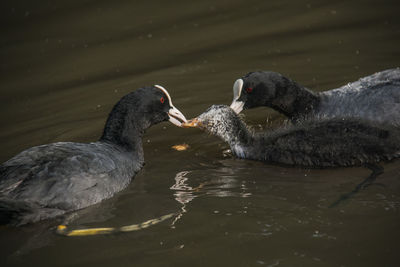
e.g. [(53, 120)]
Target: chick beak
[(193, 123), (176, 117)]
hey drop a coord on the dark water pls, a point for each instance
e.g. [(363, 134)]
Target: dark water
[(63, 64)]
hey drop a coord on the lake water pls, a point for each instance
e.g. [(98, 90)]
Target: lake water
[(64, 64)]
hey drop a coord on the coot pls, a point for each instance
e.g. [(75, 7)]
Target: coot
[(49, 180), (375, 97), (313, 143)]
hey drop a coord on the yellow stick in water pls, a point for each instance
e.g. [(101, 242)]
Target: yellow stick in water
[(63, 230), (92, 231)]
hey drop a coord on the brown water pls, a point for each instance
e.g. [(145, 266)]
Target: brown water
[(63, 64)]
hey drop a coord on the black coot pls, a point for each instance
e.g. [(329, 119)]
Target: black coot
[(375, 97), (48, 180), (314, 143)]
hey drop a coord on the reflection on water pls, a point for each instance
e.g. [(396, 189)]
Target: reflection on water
[(220, 183), (183, 192)]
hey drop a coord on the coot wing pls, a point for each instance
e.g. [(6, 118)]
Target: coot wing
[(375, 97), (62, 175), (333, 143)]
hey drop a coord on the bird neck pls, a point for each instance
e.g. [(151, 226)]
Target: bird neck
[(294, 100), (125, 128), (238, 136)]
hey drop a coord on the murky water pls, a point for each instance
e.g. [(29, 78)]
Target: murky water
[(63, 64)]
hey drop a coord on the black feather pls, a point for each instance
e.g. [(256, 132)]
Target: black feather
[(311, 143), (375, 97), (49, 180)]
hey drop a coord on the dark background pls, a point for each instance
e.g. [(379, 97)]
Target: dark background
[(63, 65)]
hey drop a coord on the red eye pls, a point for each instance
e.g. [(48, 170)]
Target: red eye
[(249, 89), (162, 100)]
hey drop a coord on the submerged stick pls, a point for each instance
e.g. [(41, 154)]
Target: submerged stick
[(376, 171), (63, 229)]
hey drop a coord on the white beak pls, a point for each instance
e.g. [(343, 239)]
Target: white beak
[(176, 117), (236, 105)]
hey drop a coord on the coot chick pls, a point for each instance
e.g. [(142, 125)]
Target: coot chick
[(315, 143), (49, 180), (375, 97)]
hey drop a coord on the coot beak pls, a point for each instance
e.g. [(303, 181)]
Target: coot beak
[(193, 123), (237, 105), (176, 117)]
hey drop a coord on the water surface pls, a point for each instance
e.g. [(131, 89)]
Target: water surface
[(63, 65)]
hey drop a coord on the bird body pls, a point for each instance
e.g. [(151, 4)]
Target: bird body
[(65, 176), (49, 180), (314, 143), (375, 97)]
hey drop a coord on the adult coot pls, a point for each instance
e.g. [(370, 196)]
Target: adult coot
[(49, 180), (375, 97), (314, 143)]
